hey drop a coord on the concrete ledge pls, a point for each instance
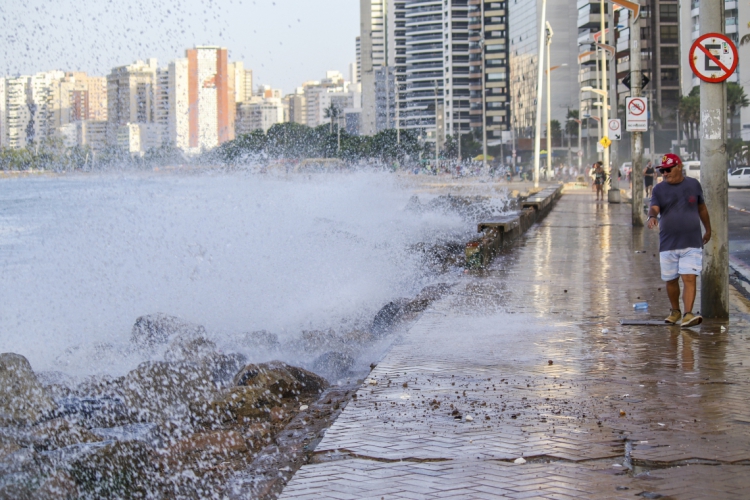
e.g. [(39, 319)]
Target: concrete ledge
[(502, 230)]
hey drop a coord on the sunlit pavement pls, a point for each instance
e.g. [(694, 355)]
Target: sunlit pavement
[(528, 360)]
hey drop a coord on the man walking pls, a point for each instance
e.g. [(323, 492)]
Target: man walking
[(679, 204)]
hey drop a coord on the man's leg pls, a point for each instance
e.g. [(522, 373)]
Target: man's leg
[(688, 293), (673, 291)]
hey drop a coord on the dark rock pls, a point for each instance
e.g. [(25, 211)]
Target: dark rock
[(223, 367), (333, 365), (280, 379), (189, 347), (59, 433), (23, 400), (387, 317), (155, 329), (155, 386), (115, 470), (96, 411)]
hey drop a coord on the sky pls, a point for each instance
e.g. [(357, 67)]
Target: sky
[(284, 42)]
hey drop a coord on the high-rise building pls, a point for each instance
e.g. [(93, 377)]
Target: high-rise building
[(130, 97), (259, 113), (297, 106), (373, 50), (211, 103), (396, 56), (18, 113), (3, 115), (178, 129), (424, 65)]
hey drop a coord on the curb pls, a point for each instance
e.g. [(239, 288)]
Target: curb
[(502, 230), (739, 209), (740, 267)]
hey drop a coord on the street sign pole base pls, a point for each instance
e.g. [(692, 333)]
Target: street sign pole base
[(614, 196)]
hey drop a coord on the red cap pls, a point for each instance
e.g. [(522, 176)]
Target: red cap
[(670, 160)]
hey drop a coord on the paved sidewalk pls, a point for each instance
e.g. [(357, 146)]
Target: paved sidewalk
[(527, 360)]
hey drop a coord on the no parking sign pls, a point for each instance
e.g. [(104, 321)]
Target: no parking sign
[(713, 57)]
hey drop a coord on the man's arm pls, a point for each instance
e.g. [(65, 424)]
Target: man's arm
[(703, 214), (653, 212)]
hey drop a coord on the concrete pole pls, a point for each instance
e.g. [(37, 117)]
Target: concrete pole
[(484, 98), (636, 143), (605, 111), (580, 132), (539, 96), (715, 275), (549, 103), (614, 192), (437, 129)]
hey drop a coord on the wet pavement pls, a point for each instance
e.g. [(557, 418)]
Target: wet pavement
[(522, 384)]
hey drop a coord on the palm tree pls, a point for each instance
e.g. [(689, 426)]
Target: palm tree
[(689, 110), (332, 112), (736, 99), (571, 123)]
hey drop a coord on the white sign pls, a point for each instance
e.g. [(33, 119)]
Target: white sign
[(599, 147), (636, 118), (615, 129)]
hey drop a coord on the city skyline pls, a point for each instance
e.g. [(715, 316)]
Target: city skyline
[(274, 41)]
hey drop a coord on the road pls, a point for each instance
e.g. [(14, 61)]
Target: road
[(739, 225)]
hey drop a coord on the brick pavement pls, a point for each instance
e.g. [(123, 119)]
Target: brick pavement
[(515, 362)]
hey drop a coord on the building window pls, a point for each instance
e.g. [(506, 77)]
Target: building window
[(670, 76), (670, 96), (670, 55), (669, 34), (668, 13)]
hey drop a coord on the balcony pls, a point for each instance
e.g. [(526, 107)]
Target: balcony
[(589, 20)]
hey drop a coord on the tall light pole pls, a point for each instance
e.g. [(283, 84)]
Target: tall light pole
[(549, 102), (437, 127), (603, 89), (540, 76)]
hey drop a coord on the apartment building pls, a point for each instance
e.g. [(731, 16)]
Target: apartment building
[(259, 113), (373, 50), (131, 97)]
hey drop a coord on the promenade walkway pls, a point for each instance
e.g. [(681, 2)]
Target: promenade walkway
[(522, 384)]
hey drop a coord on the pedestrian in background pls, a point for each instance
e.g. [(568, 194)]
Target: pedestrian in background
[(678, 203), (648, 178), (599, 179)]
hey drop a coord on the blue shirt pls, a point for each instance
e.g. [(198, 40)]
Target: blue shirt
[(680, 224)]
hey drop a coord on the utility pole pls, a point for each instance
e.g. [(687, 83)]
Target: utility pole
[(549, 102), (614, 193), (636, 143), (605, 111), (715, 274), (437, 128), (540, 76)]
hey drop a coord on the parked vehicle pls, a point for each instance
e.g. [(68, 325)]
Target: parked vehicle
[(692, 169), (740, 177)]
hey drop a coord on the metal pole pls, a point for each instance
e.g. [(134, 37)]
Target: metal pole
[(549, 103), (484, 99), (580, 132), (614, 192), (636, 143), (652, 127), (605, 111), (715, 274), (540, 76)]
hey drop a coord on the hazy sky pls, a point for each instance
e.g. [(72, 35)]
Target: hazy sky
[(284, 42)]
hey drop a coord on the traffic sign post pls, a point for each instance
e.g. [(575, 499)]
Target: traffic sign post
[(605, 142), (713, 57), (636, 117), (615, 129)]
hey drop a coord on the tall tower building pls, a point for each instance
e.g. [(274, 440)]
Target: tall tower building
[(130, 96), (211, 105), (18, 113), (396, 45), (373, 50)]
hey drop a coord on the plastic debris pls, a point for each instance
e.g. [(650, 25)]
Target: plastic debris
[(303, 408), (723, 328), (605, 330), (662, 425), (371, 381), (622, 413), (640, 306), (469, 418), (519, 461)]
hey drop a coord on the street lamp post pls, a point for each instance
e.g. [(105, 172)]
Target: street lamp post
[(605, 110), (549, 103), (484, 97), (540, 76)]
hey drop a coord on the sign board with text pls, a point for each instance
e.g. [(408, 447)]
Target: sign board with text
[(636, 114)]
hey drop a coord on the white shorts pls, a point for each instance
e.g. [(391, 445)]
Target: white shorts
[(677, 262)]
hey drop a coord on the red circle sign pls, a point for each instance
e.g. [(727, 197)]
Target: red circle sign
[(636, 106), (713, 57), (614, 125)]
